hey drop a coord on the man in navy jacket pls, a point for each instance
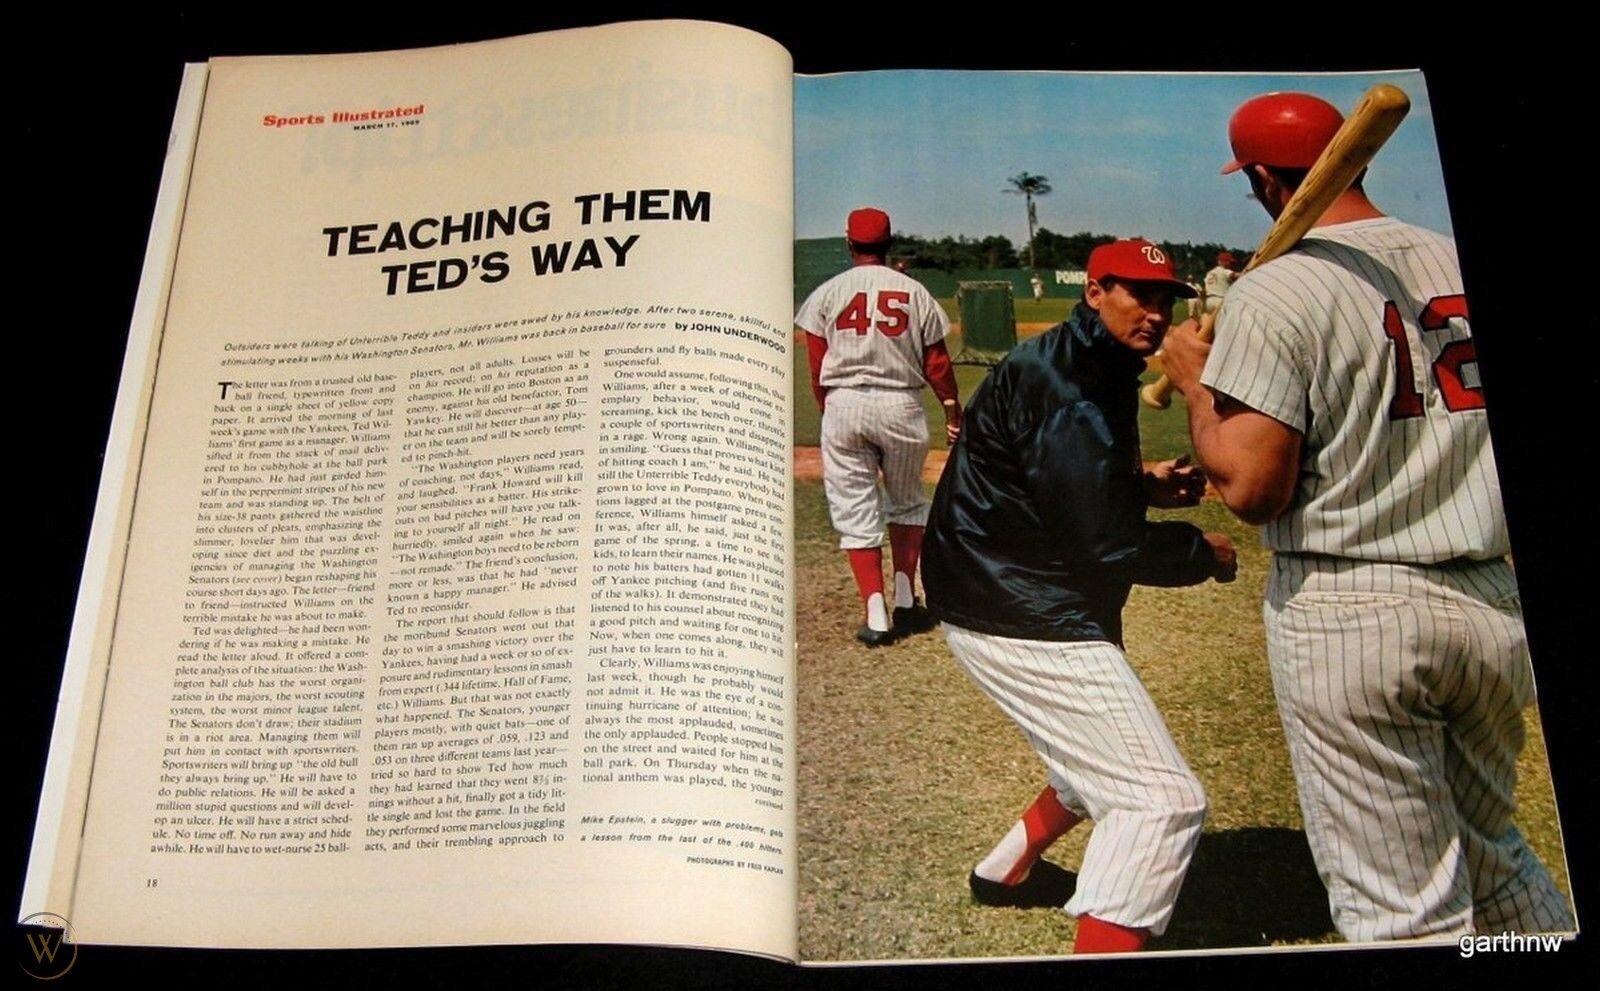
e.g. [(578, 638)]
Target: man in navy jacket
[(1036, 535)]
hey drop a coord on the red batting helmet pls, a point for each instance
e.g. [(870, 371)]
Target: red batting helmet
[(1287, 130)]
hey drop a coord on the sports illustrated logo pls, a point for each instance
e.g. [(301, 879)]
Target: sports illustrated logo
[(49, 950), (363, 119), (1509, 942), (1153, 254)]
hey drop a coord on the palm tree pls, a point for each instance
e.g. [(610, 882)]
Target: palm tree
[(1029, 185)]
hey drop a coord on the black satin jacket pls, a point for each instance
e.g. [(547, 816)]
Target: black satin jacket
[(1038, 526)]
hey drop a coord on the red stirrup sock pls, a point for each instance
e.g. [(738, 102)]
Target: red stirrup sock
[(1099, 936), (866, 563), (905, 544)]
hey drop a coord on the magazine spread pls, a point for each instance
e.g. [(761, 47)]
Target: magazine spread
[(533, 513)]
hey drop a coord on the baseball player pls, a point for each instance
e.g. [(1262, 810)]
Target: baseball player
[(1339, 407), (1036, 535), (1220, 279), (875, 336)]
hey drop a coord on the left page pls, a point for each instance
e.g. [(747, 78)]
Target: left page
[(436, 594)]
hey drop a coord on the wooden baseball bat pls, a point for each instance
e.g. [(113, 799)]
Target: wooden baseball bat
[(1355, 143)]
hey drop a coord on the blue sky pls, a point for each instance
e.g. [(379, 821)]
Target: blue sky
[(1127, 153)]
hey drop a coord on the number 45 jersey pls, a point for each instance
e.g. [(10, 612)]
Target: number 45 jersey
[(877, 322), (1358, 339)]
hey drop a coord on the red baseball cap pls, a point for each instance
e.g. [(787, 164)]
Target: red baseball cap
[(1136, 260), (868, 225), (1287, 130)]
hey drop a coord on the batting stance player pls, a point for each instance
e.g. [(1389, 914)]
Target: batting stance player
[(1036, 535), (1340, 408), (875, 336)]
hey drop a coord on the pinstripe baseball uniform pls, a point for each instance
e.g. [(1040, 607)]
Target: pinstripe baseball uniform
[(1036, 536), (1393, 624), (877, 323), (1109, 757)]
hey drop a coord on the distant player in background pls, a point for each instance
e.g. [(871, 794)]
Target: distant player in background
[(1339, 408), (1196, 302), (1220, 279), (875, 337), (1038, 287), (1036, 536)]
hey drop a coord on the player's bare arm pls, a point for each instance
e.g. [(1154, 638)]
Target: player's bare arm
[(952, 420), (941, 376), (1252, 459)]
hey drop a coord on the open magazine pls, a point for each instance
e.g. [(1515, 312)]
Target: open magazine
[(462, 538)]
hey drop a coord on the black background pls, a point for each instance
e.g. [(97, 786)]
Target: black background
[(89, 161)]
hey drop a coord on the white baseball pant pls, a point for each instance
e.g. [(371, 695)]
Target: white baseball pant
[(1401, 690), (865, 430), (1109, 757)]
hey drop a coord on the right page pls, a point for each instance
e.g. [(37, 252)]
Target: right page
[(1246, 672)]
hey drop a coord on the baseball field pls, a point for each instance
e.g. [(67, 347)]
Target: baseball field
[(1164, 435), (908, 774)]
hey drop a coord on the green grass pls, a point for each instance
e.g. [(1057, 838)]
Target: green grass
[(908, 774)]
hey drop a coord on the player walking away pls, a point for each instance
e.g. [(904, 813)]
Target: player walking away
[(875, 337), (1036, 535), (1339, 408), (1220, 279), (1195, 303)]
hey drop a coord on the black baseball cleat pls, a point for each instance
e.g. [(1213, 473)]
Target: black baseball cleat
[(914, 618), (875, 638), (1046, 886), (987, 892)]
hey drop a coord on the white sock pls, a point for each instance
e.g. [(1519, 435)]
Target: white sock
[(877, 615), (1003, 858), (1044, 822), (903, 598)]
